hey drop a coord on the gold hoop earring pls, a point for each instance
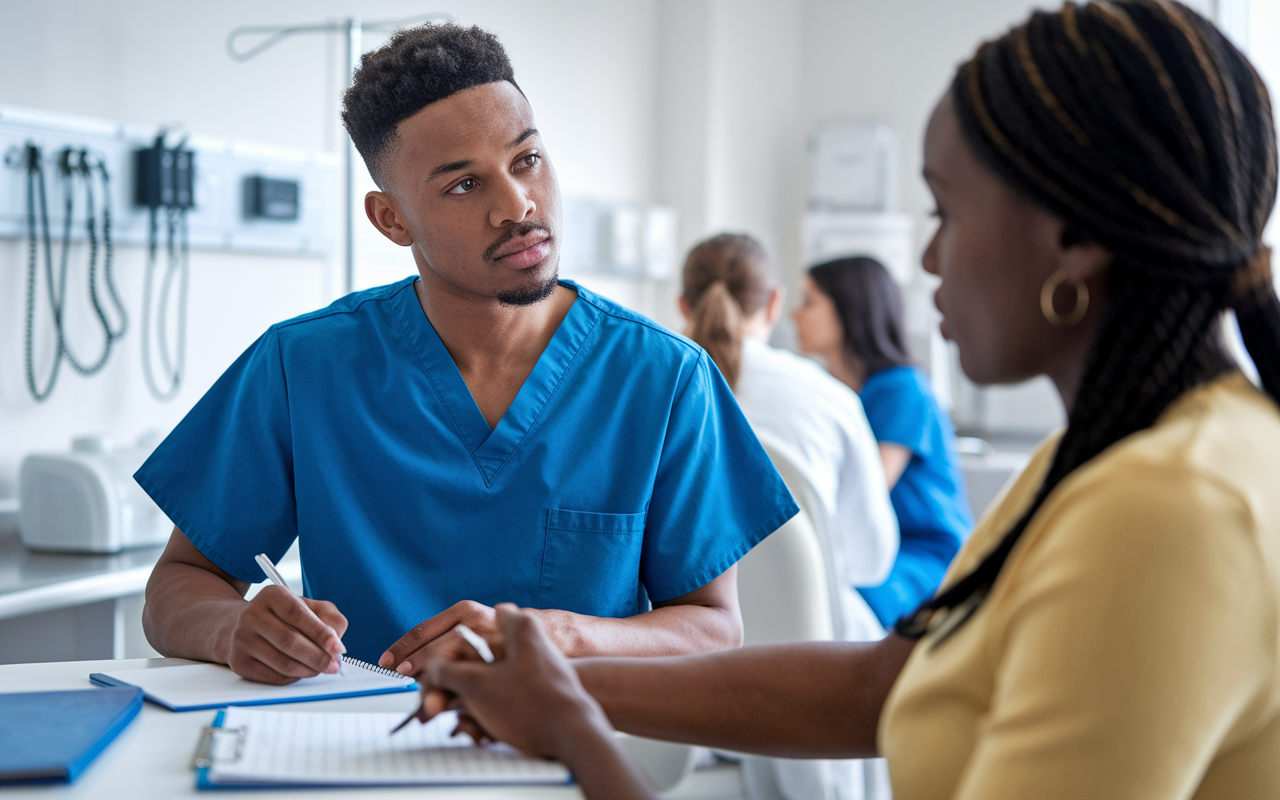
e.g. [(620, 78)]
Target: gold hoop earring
[(1046, 301)]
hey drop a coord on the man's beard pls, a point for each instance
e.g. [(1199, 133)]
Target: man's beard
[(529, 295)]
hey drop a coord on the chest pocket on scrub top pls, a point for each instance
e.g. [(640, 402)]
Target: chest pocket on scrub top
[(591, 563)]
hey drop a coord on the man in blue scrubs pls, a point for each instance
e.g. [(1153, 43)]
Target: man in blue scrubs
[(479, 433)]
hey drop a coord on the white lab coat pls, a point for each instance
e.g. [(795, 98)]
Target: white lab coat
[(819, 424)]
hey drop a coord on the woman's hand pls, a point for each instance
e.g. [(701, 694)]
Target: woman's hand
[(531, 698)]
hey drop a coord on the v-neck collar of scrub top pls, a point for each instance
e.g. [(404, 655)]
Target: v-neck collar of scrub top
[(492, 448)]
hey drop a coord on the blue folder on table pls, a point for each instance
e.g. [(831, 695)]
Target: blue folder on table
[(50, 737)]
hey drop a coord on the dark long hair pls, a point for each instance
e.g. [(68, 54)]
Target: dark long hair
[(727, 278), (869, 305), (1148, 132)]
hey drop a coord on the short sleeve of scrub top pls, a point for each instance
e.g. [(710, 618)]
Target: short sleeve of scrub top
[(898, 409), (623, 473), (230, 466), (700, 487)]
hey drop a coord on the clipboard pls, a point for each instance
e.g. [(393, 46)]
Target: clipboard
[(253, 748)]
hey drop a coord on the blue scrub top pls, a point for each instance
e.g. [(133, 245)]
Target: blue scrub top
[(623, 471), (929, 498)]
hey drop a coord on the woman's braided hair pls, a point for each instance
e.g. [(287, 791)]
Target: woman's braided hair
[(1141, 126)]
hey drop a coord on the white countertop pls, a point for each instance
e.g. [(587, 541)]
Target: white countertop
[(32, 582)]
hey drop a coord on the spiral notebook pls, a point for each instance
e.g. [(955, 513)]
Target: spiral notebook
[(250, 747), (196, 687)]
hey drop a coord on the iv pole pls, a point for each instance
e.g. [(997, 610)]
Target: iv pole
[(352, 28)]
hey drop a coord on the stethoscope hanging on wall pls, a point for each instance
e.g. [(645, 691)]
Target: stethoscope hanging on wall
[(75, 166), (165, 184)]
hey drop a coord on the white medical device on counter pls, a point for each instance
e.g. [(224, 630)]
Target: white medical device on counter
[(853, 166), (86, 500)]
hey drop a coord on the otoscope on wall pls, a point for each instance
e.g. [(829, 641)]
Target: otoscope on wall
[(80, 173), (166, 183)]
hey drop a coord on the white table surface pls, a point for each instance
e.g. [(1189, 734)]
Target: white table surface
[(152, 757)]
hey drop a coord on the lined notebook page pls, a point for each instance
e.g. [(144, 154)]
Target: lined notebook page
[(344, 748), (214, 685)]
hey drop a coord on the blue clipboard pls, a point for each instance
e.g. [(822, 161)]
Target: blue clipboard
[(203, 761), (204, 757)]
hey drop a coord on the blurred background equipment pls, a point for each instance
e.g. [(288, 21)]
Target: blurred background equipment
[(86, 501), (271, 198), (853, 166)]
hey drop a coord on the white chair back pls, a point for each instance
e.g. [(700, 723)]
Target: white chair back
[(784, 582), (785, 587)]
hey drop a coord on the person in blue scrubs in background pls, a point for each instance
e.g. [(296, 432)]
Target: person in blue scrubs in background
[(482, 432), (851, 315)]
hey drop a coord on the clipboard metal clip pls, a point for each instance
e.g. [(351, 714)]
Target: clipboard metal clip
[(218, 744)]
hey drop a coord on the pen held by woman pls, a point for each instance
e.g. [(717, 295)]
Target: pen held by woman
[(467, 645)]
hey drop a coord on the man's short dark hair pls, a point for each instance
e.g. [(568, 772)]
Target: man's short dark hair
[(416, 68)]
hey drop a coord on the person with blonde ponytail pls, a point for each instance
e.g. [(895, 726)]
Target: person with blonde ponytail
[(731, 301), (1111, 628)]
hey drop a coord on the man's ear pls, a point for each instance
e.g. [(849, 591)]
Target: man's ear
[(384, 213), (684, 307)]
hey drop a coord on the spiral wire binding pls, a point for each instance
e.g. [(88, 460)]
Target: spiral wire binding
[(390, 673)]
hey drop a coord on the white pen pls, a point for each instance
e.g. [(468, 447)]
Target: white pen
[(474, 639), (278, 580), (477, 643)]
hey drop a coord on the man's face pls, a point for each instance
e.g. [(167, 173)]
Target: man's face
[(472, 187)]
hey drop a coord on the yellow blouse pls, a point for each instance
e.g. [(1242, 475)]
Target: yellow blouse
[(1130, 646)]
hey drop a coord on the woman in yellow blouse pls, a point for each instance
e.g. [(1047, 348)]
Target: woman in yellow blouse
[(1112, 628)]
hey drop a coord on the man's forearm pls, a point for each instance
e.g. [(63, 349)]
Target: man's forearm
[(671, 630), (702, 621), (812, 699), (190, 613)]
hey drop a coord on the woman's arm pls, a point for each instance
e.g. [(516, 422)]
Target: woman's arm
[(815, 699), (802, 700), (895, 458)]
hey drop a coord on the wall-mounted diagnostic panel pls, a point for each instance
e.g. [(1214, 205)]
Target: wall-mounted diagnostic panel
[(271, 198), (164, 176), (71, 180), (295, 206)]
